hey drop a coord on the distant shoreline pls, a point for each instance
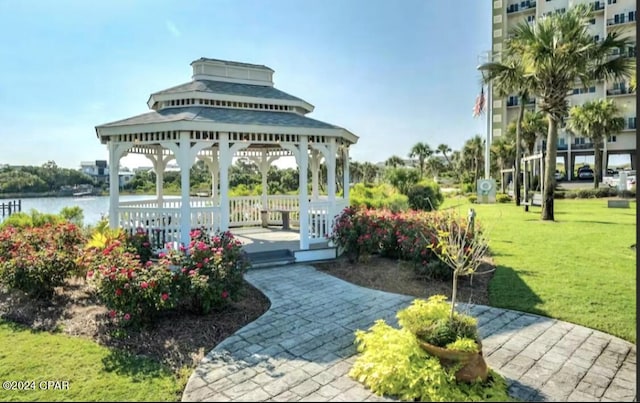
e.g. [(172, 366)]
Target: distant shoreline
[(14, 196)]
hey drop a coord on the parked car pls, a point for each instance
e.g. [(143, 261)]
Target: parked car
[(585, 174), (560, 176)]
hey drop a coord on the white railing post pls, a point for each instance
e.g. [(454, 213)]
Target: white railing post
[(225, 162), (185, 167), (303, 166)]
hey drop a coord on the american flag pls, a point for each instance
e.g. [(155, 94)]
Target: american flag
[(478, 108)]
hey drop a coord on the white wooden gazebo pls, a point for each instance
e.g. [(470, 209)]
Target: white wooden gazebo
[(228, 110)]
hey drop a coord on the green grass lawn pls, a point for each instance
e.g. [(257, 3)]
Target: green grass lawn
[(579, 268), (94, 373)]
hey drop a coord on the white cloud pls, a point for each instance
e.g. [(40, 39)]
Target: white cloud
[(172, 28)]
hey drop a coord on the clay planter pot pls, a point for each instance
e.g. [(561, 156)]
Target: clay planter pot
[(473, 364)]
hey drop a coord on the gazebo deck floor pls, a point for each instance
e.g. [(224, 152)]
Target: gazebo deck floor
[(259, 239)]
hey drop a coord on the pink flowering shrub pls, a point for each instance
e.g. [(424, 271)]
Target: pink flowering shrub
[(134, 292), (209, 270), (38, 259), (411, 236), (140, 243), (358, 232)]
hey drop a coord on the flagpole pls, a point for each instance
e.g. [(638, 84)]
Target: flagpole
[(487, 147)]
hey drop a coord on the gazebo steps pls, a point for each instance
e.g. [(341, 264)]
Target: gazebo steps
[(270, 258), (278, 257)]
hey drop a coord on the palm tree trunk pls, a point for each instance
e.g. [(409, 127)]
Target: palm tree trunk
[(516, 171), (550, 167), (597, 159)]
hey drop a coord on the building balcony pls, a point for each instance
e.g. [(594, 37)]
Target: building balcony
[(613, 92), (629, 124), (511, 103), (621, 19), (543, 147), (629, 52), (584, 146), (521, 7), (597, 6)]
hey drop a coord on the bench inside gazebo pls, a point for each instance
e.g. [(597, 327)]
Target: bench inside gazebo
[(229, 110)]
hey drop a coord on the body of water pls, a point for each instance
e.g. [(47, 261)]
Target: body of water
[(94, 207)]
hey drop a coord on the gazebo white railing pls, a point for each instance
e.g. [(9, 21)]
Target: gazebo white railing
[(161, 219)]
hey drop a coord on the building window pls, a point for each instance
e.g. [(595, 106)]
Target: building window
[(632, 123), (592, 89), (592, 21), (611, 139), (579, 140), (611, 1)]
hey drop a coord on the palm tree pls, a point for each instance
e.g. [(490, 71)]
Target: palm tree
[(534, 126), (473, 154), (422, 151), (596, 120), (444, 149), (369, 172), (509, 77), (503, 151), (394, 161), (556, 52), (355, 171)]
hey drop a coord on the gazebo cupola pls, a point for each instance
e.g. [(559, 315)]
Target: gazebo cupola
[(228, 109)]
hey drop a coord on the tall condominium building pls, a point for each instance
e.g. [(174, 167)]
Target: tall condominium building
[(608, 16)]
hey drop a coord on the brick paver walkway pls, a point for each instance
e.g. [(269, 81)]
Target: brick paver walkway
[(302, 348)]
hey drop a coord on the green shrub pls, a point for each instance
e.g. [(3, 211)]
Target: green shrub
[(391, 363), (36, 260), (425, 196), (585, 193), (571, 195), (32, 219), (503, 198), (473, 199), (430, 321), (626, 193), (558, 195), (382, 196), (468, 188), (72, 214)]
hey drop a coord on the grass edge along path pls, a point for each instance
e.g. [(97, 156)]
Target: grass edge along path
[(580, 268), (92, 372)]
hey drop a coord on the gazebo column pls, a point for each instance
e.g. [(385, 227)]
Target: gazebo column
[(185, 162), (213, 165), (225, 162), (315, 168), (303, 166), (345, 174), (159, 165), (331, 172), (263, 163), (116, 151)]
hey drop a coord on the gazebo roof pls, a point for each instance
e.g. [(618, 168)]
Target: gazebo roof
[(232, 63), (223, 115), (221, 87)]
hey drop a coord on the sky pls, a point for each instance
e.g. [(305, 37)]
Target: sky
[(393, 72)]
